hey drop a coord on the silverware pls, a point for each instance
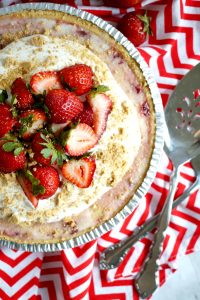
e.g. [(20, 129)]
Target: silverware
[(115, 254), (181, 144)]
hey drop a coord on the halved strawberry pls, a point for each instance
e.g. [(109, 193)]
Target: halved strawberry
[(79, 172), (86, 116), (27, 188), (79, 140), (101, 105), (63, 105), (45, 81), (31, 121), (23, 95)]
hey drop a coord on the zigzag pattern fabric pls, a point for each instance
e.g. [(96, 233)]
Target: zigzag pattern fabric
[(74, 273)]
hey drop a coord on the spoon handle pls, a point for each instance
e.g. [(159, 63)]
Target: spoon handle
[(115, 254), (147, 281)]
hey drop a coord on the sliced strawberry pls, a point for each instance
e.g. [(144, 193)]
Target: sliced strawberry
[(79, 172), (79, 140), (45, 81), (31, 121), (101, 105), (78, 78), (63, 105), (23, 95), (6, 120), (86, 116), (27, 188)]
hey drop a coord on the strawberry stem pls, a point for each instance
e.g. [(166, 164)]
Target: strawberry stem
[(146, 21)]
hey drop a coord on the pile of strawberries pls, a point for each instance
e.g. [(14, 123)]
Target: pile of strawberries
[(47, 130)]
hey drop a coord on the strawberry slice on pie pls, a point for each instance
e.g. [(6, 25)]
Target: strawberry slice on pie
[(79, 172), (101, 106), (79, 140), (45, 81)]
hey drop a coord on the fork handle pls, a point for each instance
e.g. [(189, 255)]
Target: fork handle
[(147, 281)]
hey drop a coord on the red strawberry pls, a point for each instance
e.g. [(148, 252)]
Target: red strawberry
[(27, 188), (39, 183), (45, 81), (79, 140), (79, 172), (6, 119), (86, 116), (63, 105), (45, 152), (31, 121), (101, 105), (135, 27), (78, 78), (9, 162), (23, 95), (49, 179), (37, 148)]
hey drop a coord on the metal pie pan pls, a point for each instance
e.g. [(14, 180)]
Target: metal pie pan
[(159, 134)]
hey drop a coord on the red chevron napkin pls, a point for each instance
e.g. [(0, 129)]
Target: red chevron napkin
[(74, 274)]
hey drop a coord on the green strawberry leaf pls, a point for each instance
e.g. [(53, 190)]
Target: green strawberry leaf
[(13, 145), (54, 157), (46, 152), (9, 147), (146, 20), (26, 123), (36, 187), (3, 96), (18, 151), (46, 110), (13, 100), (98, 90)]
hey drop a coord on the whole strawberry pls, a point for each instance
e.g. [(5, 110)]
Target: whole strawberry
[(78, 78), (63, 105), (135, 27), (6, 120), (45, 152), (48, 178), (23, 95), (12, 157), (40, 182)]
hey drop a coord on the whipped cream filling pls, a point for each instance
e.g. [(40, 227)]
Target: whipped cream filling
[(115, 151)]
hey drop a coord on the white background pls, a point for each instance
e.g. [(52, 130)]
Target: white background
[(184, 284)]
